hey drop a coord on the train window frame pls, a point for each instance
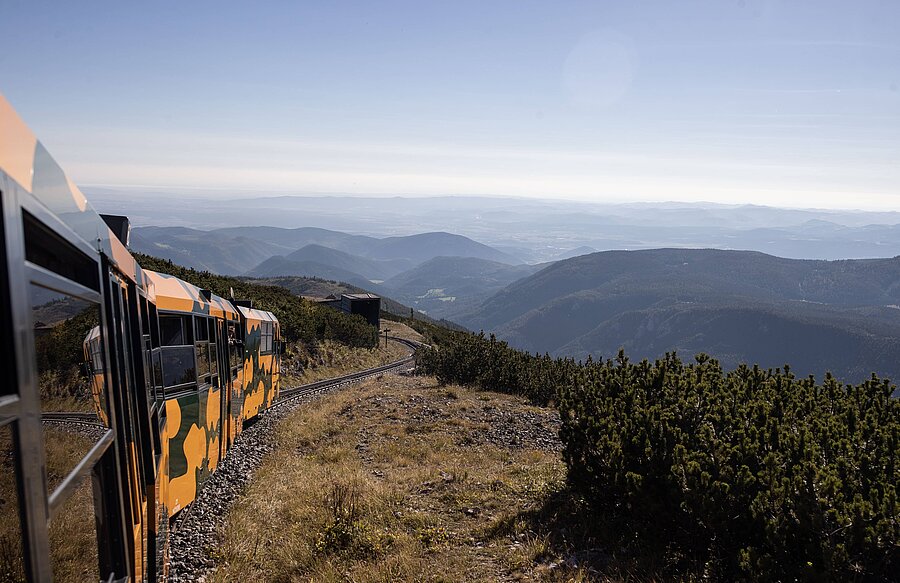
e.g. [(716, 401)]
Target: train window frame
[(47, 249), (147, 348), (41, 277), (212, 324), (235, 347), (186, 329), (156, 355), (202, 354), (266, 334)]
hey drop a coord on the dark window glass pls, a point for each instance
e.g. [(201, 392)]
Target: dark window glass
[(201, 328), (265, 341), (154, 326), (45, 248), (178, 365), (213, 359), (203, 360), (233, 345), (157, 368), (171, 330)]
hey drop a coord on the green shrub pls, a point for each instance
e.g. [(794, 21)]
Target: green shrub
[(750, 474)]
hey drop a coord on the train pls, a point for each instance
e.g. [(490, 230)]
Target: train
[(156, 377)]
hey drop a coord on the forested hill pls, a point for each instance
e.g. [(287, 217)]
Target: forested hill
[(739, 306), (301, 320)]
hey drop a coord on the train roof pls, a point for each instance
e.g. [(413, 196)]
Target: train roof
[(253, 314), (94, 334), (178, 295), (25, 159)]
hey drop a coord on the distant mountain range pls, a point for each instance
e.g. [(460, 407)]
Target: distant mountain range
[(414, 269), (531, 230), (739, 306), (239, 250), (211, 251)]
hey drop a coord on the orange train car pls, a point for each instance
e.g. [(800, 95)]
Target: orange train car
[(170, 371)]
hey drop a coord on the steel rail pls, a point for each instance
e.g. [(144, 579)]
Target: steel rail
[(292, 394)]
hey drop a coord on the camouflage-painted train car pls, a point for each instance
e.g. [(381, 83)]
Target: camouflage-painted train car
[(262, 338), (211, 362), (171, 372)]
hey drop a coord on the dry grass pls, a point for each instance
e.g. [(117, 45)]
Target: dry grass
[(331, 359), (73, 542), (399, 480), (65, 391)]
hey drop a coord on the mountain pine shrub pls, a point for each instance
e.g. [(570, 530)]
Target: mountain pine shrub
[(749, 474)]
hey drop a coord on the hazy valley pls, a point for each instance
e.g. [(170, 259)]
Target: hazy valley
[(840, 315)]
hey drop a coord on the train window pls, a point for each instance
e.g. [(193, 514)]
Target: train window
[(156, 355), (175, 330), (12, 565), (147, 349), (235, 348), (213, 351), (201, 346), (178, 366), (71, 381), (45, 248), (177, 351), (201, 328), (154, 326), (95, 368), (203, 361), (70, 375), (265, 341), (157, 368)]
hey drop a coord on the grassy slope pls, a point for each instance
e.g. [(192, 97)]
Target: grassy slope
[(401, 480)]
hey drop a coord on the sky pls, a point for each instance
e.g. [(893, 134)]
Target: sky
[(786, 103)]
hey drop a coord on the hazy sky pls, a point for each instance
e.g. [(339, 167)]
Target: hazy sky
[(793, 103)]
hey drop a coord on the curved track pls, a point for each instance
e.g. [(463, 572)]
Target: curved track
[(72, 418), (290, 395)]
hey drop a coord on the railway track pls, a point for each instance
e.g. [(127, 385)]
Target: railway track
[(72, 418), (291, 395)]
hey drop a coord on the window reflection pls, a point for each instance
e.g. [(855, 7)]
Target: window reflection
[(177, 352), (71, 372)]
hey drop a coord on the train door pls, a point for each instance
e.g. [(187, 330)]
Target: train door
[(123, 318)]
